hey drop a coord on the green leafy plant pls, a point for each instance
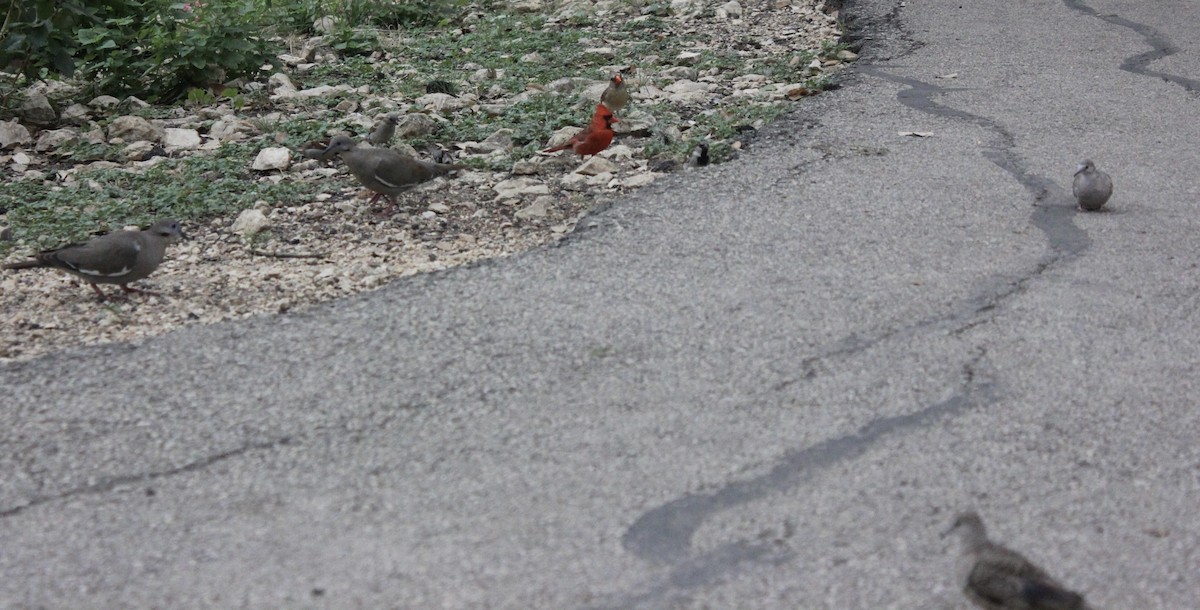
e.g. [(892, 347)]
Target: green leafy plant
[(401, 13), (168, 50), (200, 97), (82, 151), (156, 49), (37, 36), (348, 41), (299, 16), (831, 48), (162, 50)]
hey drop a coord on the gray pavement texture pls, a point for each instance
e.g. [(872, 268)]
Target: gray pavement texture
[(767, 384)]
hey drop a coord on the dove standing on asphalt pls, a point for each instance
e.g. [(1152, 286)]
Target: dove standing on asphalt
[(383, 170), (383, 130), (617, 94), (996, 578), (597, 136), (1092, 187), (118, 258)]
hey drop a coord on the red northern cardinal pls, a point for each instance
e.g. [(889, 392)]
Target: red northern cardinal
[(595, 138)]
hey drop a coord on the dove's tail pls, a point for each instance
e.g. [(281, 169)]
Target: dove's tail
[(32, 263)]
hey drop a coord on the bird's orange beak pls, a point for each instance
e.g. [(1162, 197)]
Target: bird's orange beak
[(617, 79)]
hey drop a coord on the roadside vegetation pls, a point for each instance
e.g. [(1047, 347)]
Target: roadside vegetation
[(121, 112), (183, 56)]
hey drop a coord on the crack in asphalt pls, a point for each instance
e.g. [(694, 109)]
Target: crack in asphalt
[(352, 428), (664, 534), (111, 483), (671, 591), (966, 314), (1160, 47), (1055, 221)]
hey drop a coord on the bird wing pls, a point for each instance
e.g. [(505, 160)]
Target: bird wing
[(1094, 184), (595, 142), (399, 171), (109, 256), (583, 134), (994, 587), (1007, 579), (579, 136), (379, 168), (1083, 184)]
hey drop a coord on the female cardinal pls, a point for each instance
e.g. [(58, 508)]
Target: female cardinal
[(595, 138), (617, 93)]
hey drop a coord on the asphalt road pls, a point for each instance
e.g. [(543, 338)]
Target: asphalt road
[(768, 384)]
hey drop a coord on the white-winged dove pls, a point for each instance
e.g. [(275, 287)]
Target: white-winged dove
[(385, 171), (117, 258), (383, 130), (1091, 187), (617, 94), (996, 578)]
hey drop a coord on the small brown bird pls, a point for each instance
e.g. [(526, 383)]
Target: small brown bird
[(617, 94), (595, 138), (996, 578), (385, 171), (383, 130), (1091, 187), (118, 258)]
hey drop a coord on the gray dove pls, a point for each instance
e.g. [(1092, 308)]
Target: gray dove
[(385, 171), (996, 578), (118, 258), (1092, 187), (383, 130)]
